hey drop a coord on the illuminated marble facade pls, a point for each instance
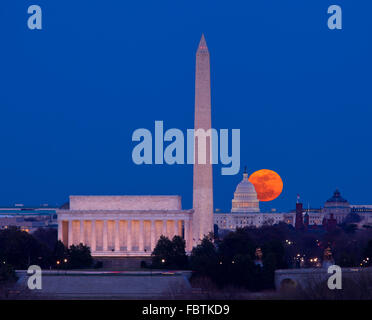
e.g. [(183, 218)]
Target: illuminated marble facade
[(123, 225)]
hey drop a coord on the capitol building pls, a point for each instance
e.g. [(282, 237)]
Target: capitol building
[(245, 211)]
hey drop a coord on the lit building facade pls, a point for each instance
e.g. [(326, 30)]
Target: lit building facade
[(123, 225), (337, 206), (245, 211), (28, 219)]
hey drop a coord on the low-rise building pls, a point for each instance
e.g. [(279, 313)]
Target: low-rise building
[(28, 219)]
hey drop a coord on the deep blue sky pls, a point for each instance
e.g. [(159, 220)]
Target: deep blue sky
[(72, 94)]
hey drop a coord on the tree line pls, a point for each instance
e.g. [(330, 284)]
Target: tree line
[(234, 260)]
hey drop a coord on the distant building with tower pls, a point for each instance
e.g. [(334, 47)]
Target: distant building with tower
[(336, 206)]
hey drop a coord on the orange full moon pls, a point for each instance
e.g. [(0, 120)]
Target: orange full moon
[(267, 183)]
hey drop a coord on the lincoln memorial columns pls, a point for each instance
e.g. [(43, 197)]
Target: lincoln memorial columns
[(141, 237), (164, 231), (93, 241), (105, 247), (129, 235), (117, 236), (70, 239), (175, 223), (152, 234), (81, 231)]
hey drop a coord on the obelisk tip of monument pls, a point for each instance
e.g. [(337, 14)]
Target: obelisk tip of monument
[(203, 43)]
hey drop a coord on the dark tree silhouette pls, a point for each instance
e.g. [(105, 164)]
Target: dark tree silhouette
[(47, 236), (79, 257), (204, 258), (20, 249), (169, 253)]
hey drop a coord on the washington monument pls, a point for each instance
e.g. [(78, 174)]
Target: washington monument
[(203, 176)]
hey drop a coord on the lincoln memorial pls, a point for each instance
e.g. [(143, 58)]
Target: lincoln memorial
[(123, 225)]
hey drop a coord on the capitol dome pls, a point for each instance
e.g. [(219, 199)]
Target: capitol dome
[(245, 197)]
